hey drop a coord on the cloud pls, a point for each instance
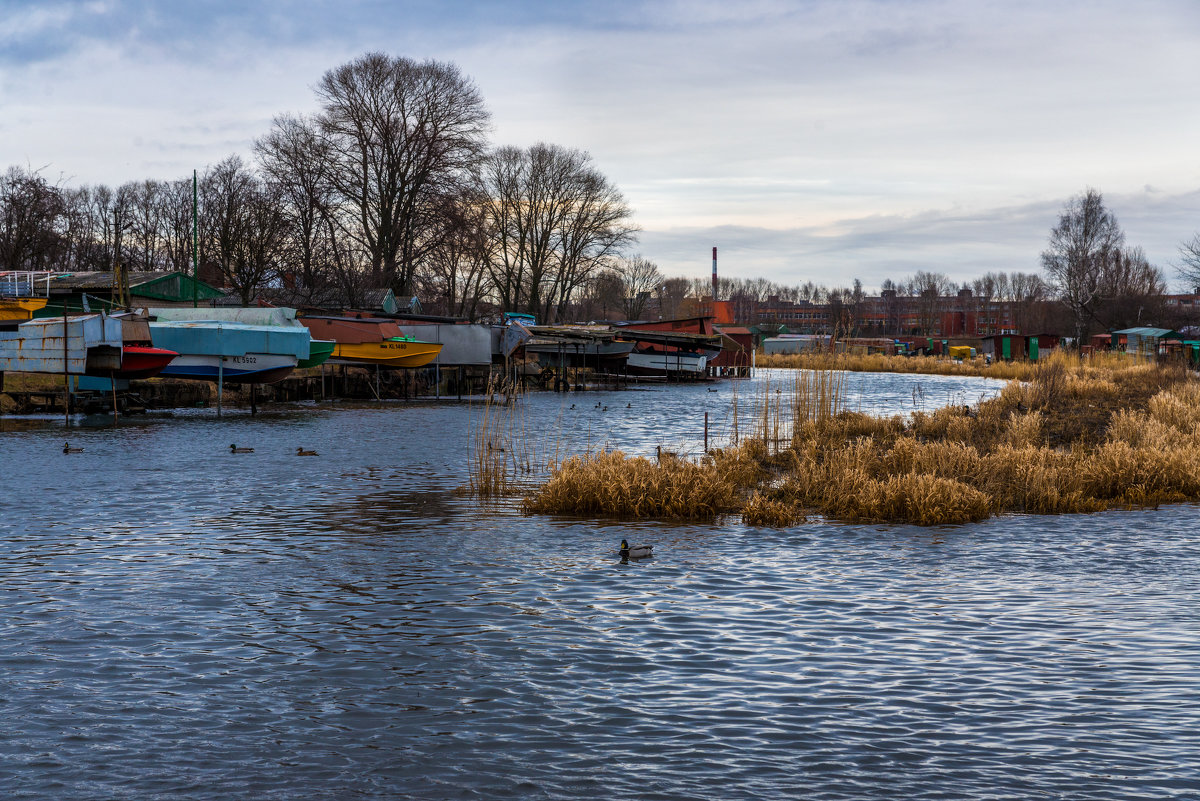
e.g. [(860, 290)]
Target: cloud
[(963, 245), (812, 139)]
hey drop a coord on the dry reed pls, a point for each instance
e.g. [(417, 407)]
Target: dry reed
[(1079, 435)]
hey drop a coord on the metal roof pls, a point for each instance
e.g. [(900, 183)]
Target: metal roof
[(1157, 333)]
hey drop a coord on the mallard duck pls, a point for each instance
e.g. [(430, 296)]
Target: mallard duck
[(302, 452), (636, 551), (236, 449), (68, 449)]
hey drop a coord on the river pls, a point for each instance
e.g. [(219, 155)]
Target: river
[(183, 622)]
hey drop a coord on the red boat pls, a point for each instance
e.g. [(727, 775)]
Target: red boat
[(143, 361), (139, 358)]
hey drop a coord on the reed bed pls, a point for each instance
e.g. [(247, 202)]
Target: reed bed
[(824, 360), (1074, 436)]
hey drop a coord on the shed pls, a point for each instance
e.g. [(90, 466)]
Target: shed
[(101, 291), (1144, 342)]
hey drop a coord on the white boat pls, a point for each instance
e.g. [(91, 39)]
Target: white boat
[(212, 350), (659, 363)]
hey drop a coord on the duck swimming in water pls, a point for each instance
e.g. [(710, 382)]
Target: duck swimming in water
[(635, 551), (68, 449), (236, 449), (302, 452)]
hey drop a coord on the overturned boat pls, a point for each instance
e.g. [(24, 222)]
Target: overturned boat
[(284, 317), (215, 350)]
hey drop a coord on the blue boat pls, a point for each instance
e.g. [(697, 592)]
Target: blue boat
[(215, 350)]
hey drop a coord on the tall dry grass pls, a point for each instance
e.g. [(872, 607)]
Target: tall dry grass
[(1079, 435)]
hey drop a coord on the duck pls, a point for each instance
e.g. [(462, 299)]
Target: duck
[(68, 449), (302, 452), (635, 551), (236, 449), (629, 406)]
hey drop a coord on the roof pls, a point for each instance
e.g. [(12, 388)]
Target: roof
[(332, 298), (1154, 333), (161, 285), (734, 329)]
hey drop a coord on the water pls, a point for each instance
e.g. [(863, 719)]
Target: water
[(181, 622)]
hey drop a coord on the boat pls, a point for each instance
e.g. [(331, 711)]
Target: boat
[(19, 309), (653, 362), (214, 350), (141, 361), (319, 351), (139, 357), (367, 341), (282, 316), (577, 346)]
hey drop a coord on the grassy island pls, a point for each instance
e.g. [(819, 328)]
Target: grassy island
[(1077, 436)]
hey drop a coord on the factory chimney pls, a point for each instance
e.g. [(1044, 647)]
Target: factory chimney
[(714, 274)]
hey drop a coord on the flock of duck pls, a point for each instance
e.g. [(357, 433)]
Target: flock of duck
[(232, 449), (626, 550)]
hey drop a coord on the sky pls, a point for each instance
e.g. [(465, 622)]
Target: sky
[(809, 140)]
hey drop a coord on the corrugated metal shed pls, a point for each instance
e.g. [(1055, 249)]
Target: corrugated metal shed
[(93, 343), (461, 344)]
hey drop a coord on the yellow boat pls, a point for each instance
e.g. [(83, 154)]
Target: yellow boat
[(20, 309), (370, 341), (391, 352)]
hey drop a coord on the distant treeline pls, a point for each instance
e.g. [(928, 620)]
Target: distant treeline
[(393, 183)]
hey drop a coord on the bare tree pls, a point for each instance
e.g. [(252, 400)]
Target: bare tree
[(671, 295), (32, 214), (296, 161), (243, 226), (397, 131), (454, 278), (552, 222), (641, 279), (1081, 247), (1132, 291), (1189, 267)]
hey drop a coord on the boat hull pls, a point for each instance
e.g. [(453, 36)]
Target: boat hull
[(138, 361), (251, 368), (389, 353), (657, 363), (319, 351)]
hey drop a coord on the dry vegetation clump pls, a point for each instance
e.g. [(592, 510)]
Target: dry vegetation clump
[(828, 361), (611, 484), (1078, 436), (763, 511)]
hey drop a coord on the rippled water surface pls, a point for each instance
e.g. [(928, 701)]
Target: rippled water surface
[(180, 622)]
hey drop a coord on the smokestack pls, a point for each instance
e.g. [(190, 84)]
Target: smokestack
[(714, 275)]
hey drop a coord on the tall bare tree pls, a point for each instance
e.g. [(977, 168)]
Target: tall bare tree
[(1081, 247), (1189, 266), (397, 132), (32, 214), (242, 226), (553, 221), (640, 279)]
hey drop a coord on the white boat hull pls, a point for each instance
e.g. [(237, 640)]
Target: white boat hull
[(251, 368), (663, 363)]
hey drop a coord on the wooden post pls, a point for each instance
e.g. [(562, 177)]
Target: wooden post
[(66, 376), (112, 380), (706, 432)]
